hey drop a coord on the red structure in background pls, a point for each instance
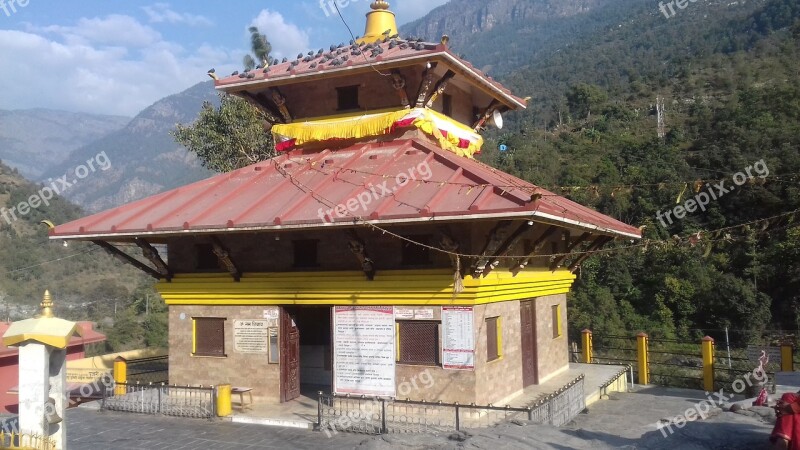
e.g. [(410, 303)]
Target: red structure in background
[(9, 361)]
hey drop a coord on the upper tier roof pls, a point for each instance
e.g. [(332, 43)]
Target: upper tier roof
[(300, 189), (343, 60)]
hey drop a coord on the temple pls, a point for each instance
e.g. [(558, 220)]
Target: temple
[(374, 248)]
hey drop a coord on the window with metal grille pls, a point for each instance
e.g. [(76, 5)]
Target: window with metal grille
[(419, 342), (209, 336), (347, 98), (493, 339)]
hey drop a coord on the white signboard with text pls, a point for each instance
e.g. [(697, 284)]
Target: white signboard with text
[(458, 338), (250, 336), (364, 350)]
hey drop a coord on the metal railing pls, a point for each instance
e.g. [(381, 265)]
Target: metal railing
[(375, 415), (197, 402), (26, 441)]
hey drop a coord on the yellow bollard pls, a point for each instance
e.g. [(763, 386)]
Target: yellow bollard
[(644, 367), (224, 407), (787, 357), (708, 363), (586, 345), (120, 375)]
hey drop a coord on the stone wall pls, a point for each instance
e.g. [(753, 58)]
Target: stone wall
[(502, 378), (237, 369), (552, 353)]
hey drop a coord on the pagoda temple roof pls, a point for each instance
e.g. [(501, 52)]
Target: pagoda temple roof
[(344, 59), (301, 189)]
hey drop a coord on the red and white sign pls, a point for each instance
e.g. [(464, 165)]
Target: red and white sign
[(458, 340), (364, 350)]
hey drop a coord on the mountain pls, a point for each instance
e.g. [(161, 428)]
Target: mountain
[(143, 157), (84, 280), (34, 140)]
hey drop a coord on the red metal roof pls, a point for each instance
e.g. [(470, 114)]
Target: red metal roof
[(301, 188), (86, 335), (387, 55)]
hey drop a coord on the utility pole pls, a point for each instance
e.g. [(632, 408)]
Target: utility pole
[(147, 305), (662, 128)]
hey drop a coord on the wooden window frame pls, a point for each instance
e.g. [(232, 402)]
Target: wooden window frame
[(556, 314), (496, 336), (437, 360), (195, 339)]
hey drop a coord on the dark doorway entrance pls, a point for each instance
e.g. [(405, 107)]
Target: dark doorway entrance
[(527, 313), (314, 347), (290, 356)]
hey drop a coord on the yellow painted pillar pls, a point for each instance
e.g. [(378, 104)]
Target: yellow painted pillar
[(224, 407), (708, 363), (644, 366), (787, 357), (586, 346), (120, 375)]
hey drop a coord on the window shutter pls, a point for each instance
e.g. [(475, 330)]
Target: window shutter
[(492, 352), (419, 342)]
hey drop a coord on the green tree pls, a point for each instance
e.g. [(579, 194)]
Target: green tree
[(585, 98), (229, 137), (260, 47)]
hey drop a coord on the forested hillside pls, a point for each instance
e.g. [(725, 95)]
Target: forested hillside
[(728, 77)]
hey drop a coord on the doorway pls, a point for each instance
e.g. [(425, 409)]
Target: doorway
[(527, 314), (311, 370)]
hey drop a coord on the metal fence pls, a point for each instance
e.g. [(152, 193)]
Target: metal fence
[(170, 400), (148, 370), (26, 441), (375, 415)]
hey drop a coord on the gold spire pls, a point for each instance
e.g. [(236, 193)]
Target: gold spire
[(381, 23), (47, 305)]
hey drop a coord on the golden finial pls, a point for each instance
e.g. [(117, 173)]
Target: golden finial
[(379, 4), (47, 305)]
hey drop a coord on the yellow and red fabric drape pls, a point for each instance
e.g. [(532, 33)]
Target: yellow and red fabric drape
[(451, 135)]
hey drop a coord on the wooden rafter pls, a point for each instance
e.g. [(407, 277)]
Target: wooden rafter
[(537, 244), (124, 257), (425, 85), (280, 102), (266, 108), (594, 247), (150, 252), (572, 245), (224, 257), (359, 249), (507, 246), (440, 87), (496, 239)]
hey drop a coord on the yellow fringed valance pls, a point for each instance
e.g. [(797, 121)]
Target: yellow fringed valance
[(450, 134)]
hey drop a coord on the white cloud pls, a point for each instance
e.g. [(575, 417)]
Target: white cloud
[(286, 38), (163, 13), (93, 67)]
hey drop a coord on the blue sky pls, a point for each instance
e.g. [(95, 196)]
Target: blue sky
[(115, 57)]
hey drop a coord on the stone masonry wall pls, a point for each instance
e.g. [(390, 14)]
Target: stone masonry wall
[(553, 353), (502, 378), (237, 369)]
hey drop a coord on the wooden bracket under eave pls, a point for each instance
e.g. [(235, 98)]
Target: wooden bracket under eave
[(425, 85), (570, 247), (508, 245), (537, 245), (149, 252), (593, 248), (124, 257), (359, 249), (270, 111), (496, 239), (224, 257), (440, 87)]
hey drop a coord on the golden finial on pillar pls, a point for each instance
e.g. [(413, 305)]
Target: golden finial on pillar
[(47, 305), (379, 4)]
